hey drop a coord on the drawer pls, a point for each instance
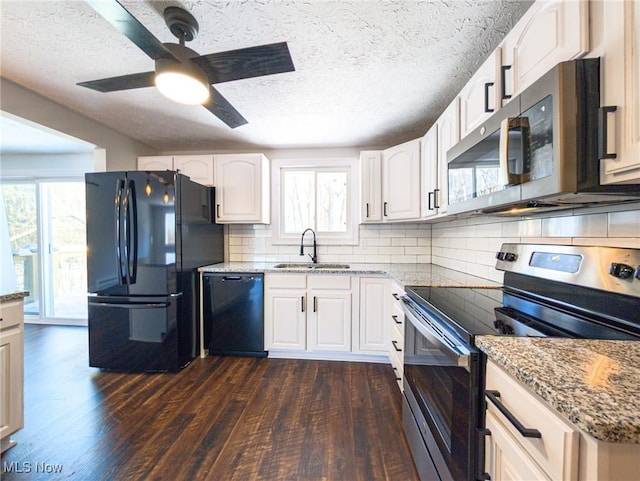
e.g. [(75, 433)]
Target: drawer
[(11, 313), (318, 281), (285, 281), (556, 451)]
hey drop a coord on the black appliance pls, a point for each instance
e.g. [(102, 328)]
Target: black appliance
[(147, 233), (233, 313), (559, 291), (539, 152)]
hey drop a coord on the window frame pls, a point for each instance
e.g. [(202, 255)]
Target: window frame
[(342, 164)]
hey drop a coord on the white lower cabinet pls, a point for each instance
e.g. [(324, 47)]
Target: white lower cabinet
[(11, 371), (308, 312), (512, 455), (372, 331), (395, 330)]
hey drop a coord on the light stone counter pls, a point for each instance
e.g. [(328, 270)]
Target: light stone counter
[(12, 296), (405, 274), (594, 384)]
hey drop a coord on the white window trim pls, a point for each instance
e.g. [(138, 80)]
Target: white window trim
[(350, 237)]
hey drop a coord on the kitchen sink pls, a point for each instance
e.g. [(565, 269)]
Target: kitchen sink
[(306, 265)]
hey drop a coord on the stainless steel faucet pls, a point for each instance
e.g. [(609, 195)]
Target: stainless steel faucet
[(314, 257)]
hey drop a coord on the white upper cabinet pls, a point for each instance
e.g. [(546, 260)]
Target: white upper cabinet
[(371, 186), (242, 188), (448, 134), (429, 161), (198, 167), (155, 162), (401, 182), (621, 89), (549, 32), (480, 97)]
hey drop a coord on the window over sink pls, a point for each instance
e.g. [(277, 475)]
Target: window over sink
[(320, 194)]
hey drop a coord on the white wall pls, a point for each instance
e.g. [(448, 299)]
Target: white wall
[(121, 151)]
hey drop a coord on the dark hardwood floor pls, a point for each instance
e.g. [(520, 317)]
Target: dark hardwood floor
[(220, 418)]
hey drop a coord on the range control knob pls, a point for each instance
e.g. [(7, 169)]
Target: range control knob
[(638, 273), (506, 256), (621, 271)]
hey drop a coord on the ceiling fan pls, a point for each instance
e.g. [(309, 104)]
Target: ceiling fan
[(181, 73)]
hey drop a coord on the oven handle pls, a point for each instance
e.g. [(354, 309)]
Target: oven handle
[(456, 353)]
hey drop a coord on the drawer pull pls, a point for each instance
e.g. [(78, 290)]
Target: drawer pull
[(398, 378), (395, 318), (525, 432), (395, 346), (395, 296)]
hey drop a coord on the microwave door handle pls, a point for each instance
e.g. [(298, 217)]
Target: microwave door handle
[(506, 177)]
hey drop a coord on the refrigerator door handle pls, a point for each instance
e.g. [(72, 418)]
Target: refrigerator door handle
[(134, 230), (129, 205), (140, 305), (118, 222)]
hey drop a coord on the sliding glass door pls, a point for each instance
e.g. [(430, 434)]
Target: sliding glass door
[(47, 238)]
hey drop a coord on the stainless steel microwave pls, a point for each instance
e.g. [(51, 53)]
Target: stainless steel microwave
[(539, 152)]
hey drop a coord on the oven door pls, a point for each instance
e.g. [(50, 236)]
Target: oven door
[(442, 388)]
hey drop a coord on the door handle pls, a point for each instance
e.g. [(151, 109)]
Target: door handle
[(315, 304), (503, 78), (301, 303), (435, 198), (487, 85), (524, 432), (367, 209), (118, 232), (384, 209)]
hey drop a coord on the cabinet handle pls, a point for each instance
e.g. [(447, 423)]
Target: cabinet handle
[(301, 303), (315, 304), (218, 211), (395, 318), (429, 197), (435, 198), (602, 131), (395, 346), (384, 209), (367, 210), (482, 434), (395, 296), (398, 378), (524, 432), (487, 85), (503, 78)]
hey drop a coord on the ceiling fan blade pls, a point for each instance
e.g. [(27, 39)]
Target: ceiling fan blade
[(246, 62), (221, 108), (123, 82), (123, 21)]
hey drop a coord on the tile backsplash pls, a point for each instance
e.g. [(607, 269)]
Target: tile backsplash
[(466, 245), (396, 243)]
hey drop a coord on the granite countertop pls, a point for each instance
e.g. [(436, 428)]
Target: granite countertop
[(405, 274), (592, 383), (12, 296)]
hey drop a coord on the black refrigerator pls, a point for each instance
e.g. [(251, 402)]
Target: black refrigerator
[(147, 233)]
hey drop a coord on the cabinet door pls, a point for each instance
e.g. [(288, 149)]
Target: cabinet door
[(372, 329), (285, 319), (429, 161), (448, 135), (505, 459), (198, 167), (549, 33), (480, 97), (155, 162), (621, 88), (11, 381), (329, 320), (401, 182), (371, 186), (242, 188)]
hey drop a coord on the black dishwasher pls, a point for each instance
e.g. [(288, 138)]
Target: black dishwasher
[(234, 314)]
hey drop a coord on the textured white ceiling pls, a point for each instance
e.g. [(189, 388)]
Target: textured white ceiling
[(368, 72)]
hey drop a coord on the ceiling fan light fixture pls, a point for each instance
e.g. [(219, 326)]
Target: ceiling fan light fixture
[(180, 83)]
